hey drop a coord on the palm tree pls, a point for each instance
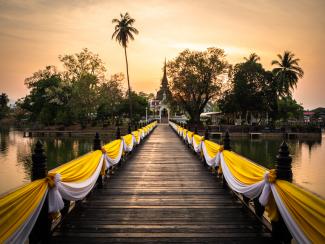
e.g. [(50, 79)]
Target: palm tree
[(286, 73), (123, 32), (253, 57)]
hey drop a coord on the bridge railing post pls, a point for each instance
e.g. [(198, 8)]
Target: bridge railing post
[(97, 146), (280, 231), (42, 228)]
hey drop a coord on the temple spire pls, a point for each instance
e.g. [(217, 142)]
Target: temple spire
[(164, 81)]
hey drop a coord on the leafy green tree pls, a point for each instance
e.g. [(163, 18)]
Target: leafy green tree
[(110, 98), (140, 103), (289, 109), (4, 109), (123, 32), (196, 78), (43, 100), (250, 91), (84, 72), (287, 73), (82, 64)]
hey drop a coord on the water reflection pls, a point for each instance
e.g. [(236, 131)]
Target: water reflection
[(16, 151), (15, 157), (307, 154)]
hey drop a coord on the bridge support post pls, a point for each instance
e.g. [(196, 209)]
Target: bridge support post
[(280, 231), (97, 146), (42, 227)]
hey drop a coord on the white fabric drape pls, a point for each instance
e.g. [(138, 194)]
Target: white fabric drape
[(189, 139), (128, 148), (112, 161), (294, 229), (212, 162), (197, 147), (71, 191), (22, 233)]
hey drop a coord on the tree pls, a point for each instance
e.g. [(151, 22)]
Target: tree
[(250, 91), (286, 73), (110, 98), (253, 57), (289, 109), (196, 78), (44, 100), (4, 109), (84, 72), (123, 32), (80, 64)]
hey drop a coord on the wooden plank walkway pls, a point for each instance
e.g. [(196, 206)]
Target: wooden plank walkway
[(163, 194)]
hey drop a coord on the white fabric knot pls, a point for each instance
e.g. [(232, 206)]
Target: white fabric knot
[(265, 195), (54, 198)]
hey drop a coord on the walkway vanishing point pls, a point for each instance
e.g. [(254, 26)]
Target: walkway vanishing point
[(162, 194)]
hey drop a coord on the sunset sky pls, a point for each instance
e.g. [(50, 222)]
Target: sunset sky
[(34, 33)]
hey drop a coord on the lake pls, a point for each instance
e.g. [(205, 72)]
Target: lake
[(15, 157)]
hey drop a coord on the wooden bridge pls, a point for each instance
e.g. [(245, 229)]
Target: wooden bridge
[(162, 194)]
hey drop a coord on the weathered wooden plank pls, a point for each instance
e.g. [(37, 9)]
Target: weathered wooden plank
[(162, 194)]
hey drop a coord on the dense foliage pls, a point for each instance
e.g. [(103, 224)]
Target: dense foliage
[(196, 78), (79, 94), (262, 93)]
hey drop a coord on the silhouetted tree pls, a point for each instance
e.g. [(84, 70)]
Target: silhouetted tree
[(286, 73), (123, 32), (196, 78), (253, 57)]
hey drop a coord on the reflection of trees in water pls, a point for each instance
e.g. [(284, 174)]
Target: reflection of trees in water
[(24, 156), (260, 151), (264, 151), (59, 151), (4, 140), (296, 146)]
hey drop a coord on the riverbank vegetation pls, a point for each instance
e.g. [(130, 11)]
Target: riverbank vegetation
[(80, 93), (242, 90)]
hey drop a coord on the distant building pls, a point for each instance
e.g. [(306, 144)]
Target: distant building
[(161, 104), (308, 115)]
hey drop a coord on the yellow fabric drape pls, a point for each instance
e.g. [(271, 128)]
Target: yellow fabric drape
[(113, 148), (307, 209), (190, 134), (128, 139), (197, 138), (79, 169), (140, 131), (212, 148), (136, 135), (243, 169), (17, 206), (184, 132)]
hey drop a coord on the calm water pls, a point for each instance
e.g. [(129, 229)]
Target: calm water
[(15, 157), (308, 165)]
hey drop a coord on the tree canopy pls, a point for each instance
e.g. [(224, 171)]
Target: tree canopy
[(196, 78), (80, 93)]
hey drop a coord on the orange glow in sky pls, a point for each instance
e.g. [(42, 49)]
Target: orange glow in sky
[(33, 34)]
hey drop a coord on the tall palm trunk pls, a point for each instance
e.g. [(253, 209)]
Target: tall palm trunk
[(129, 87)]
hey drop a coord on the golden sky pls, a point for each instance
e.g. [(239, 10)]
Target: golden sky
[(33, 33)]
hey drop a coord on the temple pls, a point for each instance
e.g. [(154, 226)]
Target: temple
[(161, 104)]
